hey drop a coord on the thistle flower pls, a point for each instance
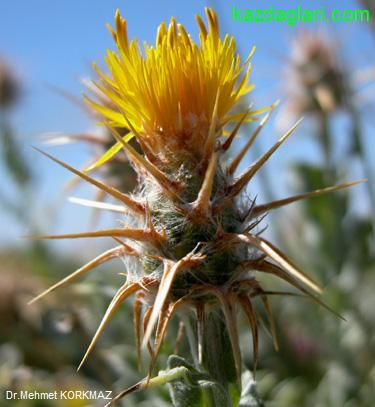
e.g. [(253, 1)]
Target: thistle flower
[(197, 246), (316, 82), (319, 83)]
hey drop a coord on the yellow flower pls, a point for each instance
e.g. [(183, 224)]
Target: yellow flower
[(169, 92)]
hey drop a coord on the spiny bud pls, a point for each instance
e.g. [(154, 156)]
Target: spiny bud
[(198, 247)]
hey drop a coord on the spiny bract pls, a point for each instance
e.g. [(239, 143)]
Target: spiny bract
[(194, 227)]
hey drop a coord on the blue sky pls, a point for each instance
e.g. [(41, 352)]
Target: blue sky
[(54, 43)]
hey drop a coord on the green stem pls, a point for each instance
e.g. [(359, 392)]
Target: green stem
[(217, 355)]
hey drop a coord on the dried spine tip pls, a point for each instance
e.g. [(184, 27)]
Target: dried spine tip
[(134, 234), (102, 258), (260, 209), (246, 177), (236, 161), (117, 300), (133, 205)]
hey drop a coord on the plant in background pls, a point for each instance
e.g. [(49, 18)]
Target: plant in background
[(35, 343), (371, 7), (316, 81), (190, 236), (317, 84), (327, 363), (9, 87), (14, 161), (320, 84)]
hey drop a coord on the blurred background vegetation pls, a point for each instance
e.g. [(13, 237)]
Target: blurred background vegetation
[(322, 360)]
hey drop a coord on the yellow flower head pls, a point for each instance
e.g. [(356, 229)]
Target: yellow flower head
[(170, 92)]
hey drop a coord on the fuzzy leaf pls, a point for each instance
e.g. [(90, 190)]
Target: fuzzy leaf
[(196, 389)]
